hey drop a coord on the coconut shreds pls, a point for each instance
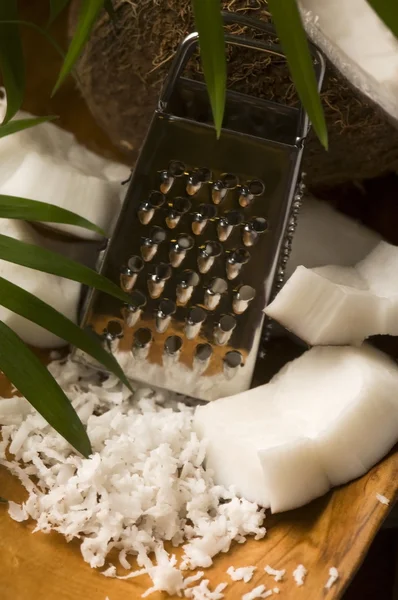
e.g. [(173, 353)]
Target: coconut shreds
[(382, 499), (299, 574), (257, 592), (143, 485), (202, 591), (193, 578), (277, 575), (333, 577), (241, 573)]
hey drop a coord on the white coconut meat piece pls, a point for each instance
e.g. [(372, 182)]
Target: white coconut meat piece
[(379, 269), (359, 45), (326, 418), (49, 138), (325, 236), (61, 294), (48, 179), (240, 454), (328, 385), (321, 308), (335, 305), (46, 163)]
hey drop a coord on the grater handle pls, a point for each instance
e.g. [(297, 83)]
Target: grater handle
[(189, 44)]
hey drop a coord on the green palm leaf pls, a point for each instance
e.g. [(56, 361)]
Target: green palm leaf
[(21, 124), (89, 12), (41, 259), (292, 36), (388, 13), (14, 207), (27, 305), (35, 383), (56, 7), (209, 23)]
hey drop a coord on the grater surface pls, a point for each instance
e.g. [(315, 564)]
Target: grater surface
[(197, 245)]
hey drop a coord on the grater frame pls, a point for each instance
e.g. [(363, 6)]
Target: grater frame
[(169, 358)]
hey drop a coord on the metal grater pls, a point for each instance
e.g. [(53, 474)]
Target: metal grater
[(205, 226)]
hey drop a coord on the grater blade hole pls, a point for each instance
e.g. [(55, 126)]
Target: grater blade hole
[(189, 278), (161, 272), (195, 318), (165, 311), (208, 252), (114, 329), (196, 315), (233, 359), (256, 187), (233, 217), (229, 180), (137, 299), (224, 330), (181, 205), (166, 307), (253, 230), (142, 337), (135, 265), (173, 345), (218, 286), (259, 224), (203, 352), (176, 168), (184, 242), (157, 235), (213, 293), (211, 249), (156, 199)]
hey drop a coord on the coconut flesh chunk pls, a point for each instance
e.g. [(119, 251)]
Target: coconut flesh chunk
[(50, 179), (359, 45), (335, 305), (46, 163), (324, 419), (325, 236), (61, 294)]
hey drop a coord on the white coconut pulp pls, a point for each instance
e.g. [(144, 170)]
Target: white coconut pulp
[(358, 43), (324, 419), (326, 237), (46, 163), (341, 305)]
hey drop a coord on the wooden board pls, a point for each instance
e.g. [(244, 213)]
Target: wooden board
[(335, 530)]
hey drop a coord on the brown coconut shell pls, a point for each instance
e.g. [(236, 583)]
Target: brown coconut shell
[(125, 62)]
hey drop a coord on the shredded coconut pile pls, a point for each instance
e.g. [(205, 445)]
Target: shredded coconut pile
[(333, 577), (382, 499), (143, 485), (299, 574), (241, 574), (277, 575)]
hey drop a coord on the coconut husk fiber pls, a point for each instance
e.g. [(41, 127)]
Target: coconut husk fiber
[(125, 62)]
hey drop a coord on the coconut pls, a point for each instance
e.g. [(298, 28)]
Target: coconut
[(124, 64)]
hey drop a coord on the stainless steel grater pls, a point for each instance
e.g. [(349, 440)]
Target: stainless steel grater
[(203, 235)]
